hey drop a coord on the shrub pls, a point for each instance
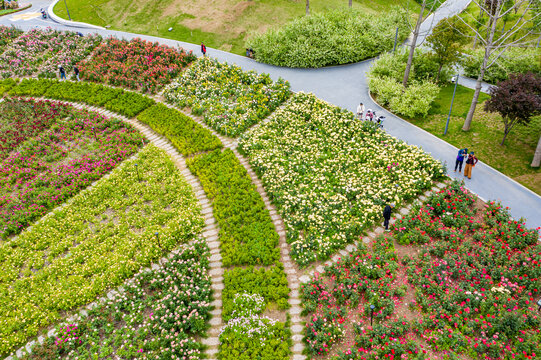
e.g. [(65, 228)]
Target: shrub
[(184, 133), (31, 87), (129, 103), (515, 60), (92, 94), (247, 234), (330, 38), (6, 85)]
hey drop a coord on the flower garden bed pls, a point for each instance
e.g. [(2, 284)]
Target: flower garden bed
[(138, 323), (466, 289), (136, 64), (230, 99), (103, 236), (50, 165), (330, 175), (40, 52), (7, 34), (126, 103)]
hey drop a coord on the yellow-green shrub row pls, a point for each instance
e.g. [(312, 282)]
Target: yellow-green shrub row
[(105, 235)]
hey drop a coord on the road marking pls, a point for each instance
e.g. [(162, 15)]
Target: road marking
[(25, 16)]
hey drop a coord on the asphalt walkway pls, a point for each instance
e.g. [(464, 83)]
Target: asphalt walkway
[(346, 86)]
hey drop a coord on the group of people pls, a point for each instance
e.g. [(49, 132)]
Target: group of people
[(62, 72), (470, 158)]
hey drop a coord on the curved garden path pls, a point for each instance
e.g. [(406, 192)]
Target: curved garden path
[(346, 86)]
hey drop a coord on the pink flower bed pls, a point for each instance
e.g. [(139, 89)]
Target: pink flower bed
[(53, 166), (135, 64)]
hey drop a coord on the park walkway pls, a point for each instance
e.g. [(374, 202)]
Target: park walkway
[(346, 86)]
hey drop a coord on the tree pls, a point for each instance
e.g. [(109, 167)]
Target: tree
[(536, 162), (307, 7), (446, 42), (416, 31), (516, 99), (350, 3), (495, 46)]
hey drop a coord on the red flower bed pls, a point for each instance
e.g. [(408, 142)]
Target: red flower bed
[(54, 165), (476, 277), (135, 64)]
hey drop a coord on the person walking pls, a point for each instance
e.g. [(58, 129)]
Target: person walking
[(76, 72), (62, 72), (360, 111), (203, 49), (462, 154), (387, 215), (470, 163)]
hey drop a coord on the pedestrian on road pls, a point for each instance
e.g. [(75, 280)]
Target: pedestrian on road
[(387, 215), (76, 72), (360, 111), (62, 72), (203, 49), (470, 163), (462, 154)]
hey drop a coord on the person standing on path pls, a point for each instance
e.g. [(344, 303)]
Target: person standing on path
[(203, 49), (62, 72), (387, 216), (462, 154), (470, 163), (76, 72), (360, 111)]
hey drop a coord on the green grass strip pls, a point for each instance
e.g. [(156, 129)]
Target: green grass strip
[(184, 133), (104, 236), (247, 234)]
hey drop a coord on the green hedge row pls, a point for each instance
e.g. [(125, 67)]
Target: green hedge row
[(123, 102), (247, 234), (330, 38), (185, 134), (270, 283)]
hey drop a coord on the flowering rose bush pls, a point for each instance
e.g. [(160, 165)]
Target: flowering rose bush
[(184, 133), (142, 210), (54, 165), (42, 51), (156, 316), (7, 34), (329, 175), (247, 234), (136, 64), (230, 99), (252, 335)]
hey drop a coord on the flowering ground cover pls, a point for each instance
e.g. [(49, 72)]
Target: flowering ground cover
[(230, 99), (126, 103), (248, 335), (330, 175), (7, 34), (40, 52), (54, 164), (103, 236), (139, 322), (24, 119), (465, 289), (184, 133), (136, 64)]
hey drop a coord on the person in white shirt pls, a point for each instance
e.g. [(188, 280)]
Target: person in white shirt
[(360, 111)]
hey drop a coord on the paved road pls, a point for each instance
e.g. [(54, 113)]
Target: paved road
[(346, 86)]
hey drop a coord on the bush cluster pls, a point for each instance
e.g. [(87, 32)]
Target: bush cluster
[(385, 81), (514, 60), (330, 38)]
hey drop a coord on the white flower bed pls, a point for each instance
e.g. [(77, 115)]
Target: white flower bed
[(331, 175)]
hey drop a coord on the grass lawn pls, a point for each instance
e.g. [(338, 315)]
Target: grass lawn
[(222, 24), (486, 133)]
